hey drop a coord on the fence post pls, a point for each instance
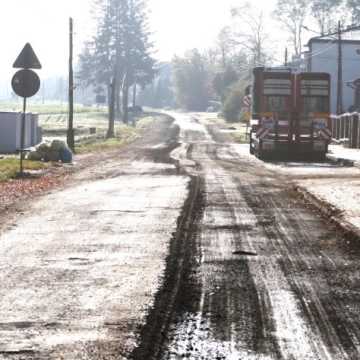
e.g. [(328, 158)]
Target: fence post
[(333, 126), (358, 131), (342, 126), (338, 127), (354, 131), (347, 126), (351, 138)]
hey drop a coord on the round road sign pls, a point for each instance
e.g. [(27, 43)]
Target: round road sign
[(25, 83)]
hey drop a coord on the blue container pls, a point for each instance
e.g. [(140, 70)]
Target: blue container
[(66, 156)]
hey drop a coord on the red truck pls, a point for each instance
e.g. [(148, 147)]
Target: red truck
[(290, 114)]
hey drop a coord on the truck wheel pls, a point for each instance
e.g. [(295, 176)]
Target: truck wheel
[(261, 155), (252, 150), (322, 156)]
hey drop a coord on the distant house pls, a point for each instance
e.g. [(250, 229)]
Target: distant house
[(322, 56)]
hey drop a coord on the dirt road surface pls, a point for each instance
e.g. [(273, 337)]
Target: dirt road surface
[(266, 276), (80, 268), (217, 258)]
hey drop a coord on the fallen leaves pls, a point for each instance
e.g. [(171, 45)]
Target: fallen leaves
[(22, 189)]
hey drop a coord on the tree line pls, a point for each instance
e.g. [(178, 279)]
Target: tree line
[(119, 56), (223, 71)]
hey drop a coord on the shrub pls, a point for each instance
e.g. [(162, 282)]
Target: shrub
[(233, 105)]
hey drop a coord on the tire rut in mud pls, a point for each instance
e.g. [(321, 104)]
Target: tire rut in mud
[(218, 305), (178, 273), (326, 302)]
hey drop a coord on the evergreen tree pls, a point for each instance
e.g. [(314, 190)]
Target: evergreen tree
[(223, 80), (192, 81), (119, 54)]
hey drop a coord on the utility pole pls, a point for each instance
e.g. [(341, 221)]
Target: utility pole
[(286, 57), (125, 96), (111, 127), (134, 93), (70, 131), (339, 103)]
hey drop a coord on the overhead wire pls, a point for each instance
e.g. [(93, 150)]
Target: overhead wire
[(319, 52), (244, 69)]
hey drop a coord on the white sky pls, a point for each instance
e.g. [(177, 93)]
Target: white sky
[(177, 25)]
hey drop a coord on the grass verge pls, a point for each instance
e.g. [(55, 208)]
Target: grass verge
[(124, 134), (238, 131), (48, 107), (9, 167), (240, 137)]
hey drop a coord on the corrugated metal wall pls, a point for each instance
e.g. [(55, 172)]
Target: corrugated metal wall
[(10, 129)]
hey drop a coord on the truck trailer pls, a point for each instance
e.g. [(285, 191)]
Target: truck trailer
[(290, 114)]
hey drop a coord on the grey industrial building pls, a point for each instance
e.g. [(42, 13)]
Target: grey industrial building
[(323, 56), (10, 131)]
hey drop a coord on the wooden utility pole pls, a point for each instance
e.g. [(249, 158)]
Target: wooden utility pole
[(111, 126), (339, 103), (134, 94), (70, 131), (125, 98)]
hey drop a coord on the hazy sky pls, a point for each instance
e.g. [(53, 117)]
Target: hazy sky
[(177, 25)]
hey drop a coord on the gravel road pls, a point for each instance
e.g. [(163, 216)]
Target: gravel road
[(80, 268), (266, 277), (209, 255)]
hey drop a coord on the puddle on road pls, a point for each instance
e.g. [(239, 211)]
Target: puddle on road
[(232, 227), (244, 253)]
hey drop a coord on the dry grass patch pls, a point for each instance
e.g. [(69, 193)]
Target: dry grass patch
[(9, 167)]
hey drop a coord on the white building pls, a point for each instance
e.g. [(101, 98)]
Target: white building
[(322, 56)]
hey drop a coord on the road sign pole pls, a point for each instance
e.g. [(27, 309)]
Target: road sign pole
[(25, 83), (70, 131), (22, 141)]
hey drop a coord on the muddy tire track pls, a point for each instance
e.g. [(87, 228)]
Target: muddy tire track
[(177, 278), (261, 277)]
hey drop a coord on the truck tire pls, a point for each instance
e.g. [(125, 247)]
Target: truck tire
[(252, 150)]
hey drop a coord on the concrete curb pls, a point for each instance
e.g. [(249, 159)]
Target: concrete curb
[(342, 161), (329, 212)]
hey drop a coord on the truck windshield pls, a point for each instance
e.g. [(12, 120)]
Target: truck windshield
[(316, 104)]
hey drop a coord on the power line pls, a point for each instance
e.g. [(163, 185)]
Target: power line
[(319, 52)]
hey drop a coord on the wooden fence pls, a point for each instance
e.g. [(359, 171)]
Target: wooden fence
[(346, 127)]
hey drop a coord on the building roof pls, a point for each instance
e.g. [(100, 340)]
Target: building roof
[(328, 39)]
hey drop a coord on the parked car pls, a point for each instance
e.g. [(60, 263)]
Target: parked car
[(135, 109)]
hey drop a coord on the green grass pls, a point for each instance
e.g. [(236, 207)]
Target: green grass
[(9, 167), (236, 130), (124, 135), (48, 107), (240, 137)]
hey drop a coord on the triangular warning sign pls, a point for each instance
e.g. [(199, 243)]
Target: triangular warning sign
[(27, 59)]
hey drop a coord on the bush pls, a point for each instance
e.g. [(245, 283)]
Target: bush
[(233, 105), (56, 151)]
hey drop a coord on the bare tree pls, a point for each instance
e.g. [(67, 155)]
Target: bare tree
[(292, 14), (250, 34), (325, 14), (354, 8), (225, 44)]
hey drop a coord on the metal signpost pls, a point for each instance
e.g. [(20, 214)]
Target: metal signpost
[(25, 83)]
